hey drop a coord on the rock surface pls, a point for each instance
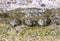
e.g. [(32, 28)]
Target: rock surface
[(13, 4), (44, 22), (15, 22), (30, 22)]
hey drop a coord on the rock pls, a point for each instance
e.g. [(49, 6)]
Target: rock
[(41, 22), (57, 23), (18, 27), (14, 22), (57, 17), (11, 5), (37, 12), (30, 22), (44, 22)]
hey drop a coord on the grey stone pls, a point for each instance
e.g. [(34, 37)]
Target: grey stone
[(41, 22), (44, 22), (30, 22), (58, 17), (57, 23), (18, 27), (13, 22)]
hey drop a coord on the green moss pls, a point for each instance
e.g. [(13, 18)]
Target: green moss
[(3, 28)]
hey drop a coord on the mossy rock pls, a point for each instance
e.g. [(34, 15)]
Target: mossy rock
[(44, 22)]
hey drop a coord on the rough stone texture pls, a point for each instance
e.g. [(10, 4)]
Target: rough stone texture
[(41, 22), (44, 22), (15, 22), (30, 22), (13, 4), (19, 27)]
